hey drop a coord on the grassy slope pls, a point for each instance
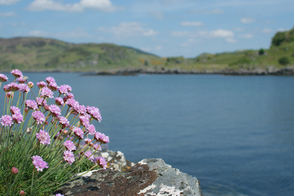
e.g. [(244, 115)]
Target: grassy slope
[(49, 54)]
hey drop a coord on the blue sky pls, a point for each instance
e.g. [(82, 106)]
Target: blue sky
[(164, 27)]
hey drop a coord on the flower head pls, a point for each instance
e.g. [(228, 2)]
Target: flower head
[(91, 129), (100, 137), (21, 80), (9, 95), (69, 145), (3, 78), (64, 121), (14, 110), (78, 132), (59, 101), (17, 118), (40, 101), (53, 86), (63, 89), (6, 120), (46, 92), (31, 84), (39, 117), (39, 163), (50, 79), (102, 162), (72, 102), (84, 120), (69, 156), (94, 112), (22, 192), (24, 88), (97, 147), (31, 104), (14, 170), (12, 86), (16, 73), (55, 110), (58, 194), (41, 84), (43, 137)]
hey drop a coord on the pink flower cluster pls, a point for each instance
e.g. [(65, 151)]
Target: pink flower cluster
[(43, 137), (39, 163)]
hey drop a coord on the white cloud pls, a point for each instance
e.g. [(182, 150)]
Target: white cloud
[(215, 11), (179, 33), (159, 48), (101, 5), (266, 30), (71, 34), (37, 33), (184, 44), (247, 20), (191, 24), (7, 14), (282, 29), (248, 36), (146, 49), (157, 15), (129, 29), (238, 29), (221, 33), (8, 2), (230, 40)]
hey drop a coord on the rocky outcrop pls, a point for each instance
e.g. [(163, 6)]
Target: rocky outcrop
[(149, 177)]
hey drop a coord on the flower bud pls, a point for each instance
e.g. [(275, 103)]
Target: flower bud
[(22, 193), (14, 170), (31, 84)]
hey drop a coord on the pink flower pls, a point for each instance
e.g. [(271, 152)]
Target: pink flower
[(3, 78), (39, 117), (64, 121), (100, 137), (63, 89), (102, 162), (22, 192), (16, 73), (9, 95), (78, 132), (69, 156), (31, 84), (59, 101), (94, 112), (84, 120), (43, 137), (31, 104), (6, 120), (14, 110), (97, 147), (40, 101), (88, 153), (70, 145), (91, 129), (81, 109), (53, 86), (18, 118), (68, 96), (46, 92), (58, 194), (14, 170), (55, 110), (21, 80), (12, 86), (50, 79), (24, 88), (72, 102), (87, 140), (39, 163), (41, 84)]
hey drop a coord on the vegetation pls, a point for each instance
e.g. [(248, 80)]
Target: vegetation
[(39, 54)]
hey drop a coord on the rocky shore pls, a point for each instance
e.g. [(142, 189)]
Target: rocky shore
[(149, 177), (287, 71)]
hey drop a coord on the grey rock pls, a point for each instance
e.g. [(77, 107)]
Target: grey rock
[(170, 181)]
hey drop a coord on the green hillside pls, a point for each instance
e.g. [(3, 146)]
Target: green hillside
[(41, 54)]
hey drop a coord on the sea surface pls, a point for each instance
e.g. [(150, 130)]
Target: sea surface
[(234, 133)]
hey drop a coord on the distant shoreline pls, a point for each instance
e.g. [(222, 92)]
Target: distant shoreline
[(288, 71)]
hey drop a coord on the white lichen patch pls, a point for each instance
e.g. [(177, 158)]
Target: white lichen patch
[(164, 191)]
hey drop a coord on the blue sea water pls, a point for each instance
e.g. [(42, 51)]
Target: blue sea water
[(234, 133)]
